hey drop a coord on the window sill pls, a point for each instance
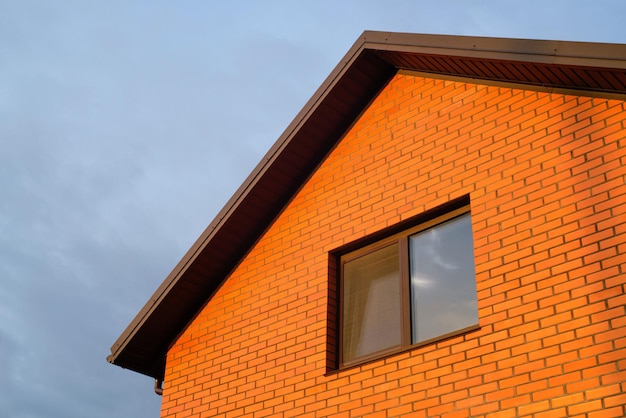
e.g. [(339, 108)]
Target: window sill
[(393, 352)]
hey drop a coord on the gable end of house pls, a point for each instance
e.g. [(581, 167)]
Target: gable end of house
[(583, 68)]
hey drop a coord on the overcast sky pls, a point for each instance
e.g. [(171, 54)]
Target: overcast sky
[(125, 126)]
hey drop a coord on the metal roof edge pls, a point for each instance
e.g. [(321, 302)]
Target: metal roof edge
[(593, 54)]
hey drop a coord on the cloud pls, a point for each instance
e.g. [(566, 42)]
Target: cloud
[(422, 281)]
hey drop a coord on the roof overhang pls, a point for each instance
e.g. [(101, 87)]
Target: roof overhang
[(590, 68)]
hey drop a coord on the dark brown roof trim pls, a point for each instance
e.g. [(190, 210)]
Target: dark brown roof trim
[(366, 68)]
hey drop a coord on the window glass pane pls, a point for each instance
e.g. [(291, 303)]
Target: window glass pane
[(371, 303), (443, 281)]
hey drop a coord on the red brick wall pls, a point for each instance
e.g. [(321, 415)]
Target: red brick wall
[(546, 174)]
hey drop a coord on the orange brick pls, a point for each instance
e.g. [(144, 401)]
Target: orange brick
[(548, 393), (617, 411), (533, 408), (552, 413), (585, 407)]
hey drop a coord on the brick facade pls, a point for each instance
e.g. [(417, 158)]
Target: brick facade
[(546, 176)]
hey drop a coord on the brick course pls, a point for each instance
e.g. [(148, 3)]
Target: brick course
[(546, 177)]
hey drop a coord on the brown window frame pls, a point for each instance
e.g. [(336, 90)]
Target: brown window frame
[(400, 235)]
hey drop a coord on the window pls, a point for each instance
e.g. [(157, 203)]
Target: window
[(409, 288)]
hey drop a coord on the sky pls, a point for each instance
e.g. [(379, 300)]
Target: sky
[(125, 126)]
